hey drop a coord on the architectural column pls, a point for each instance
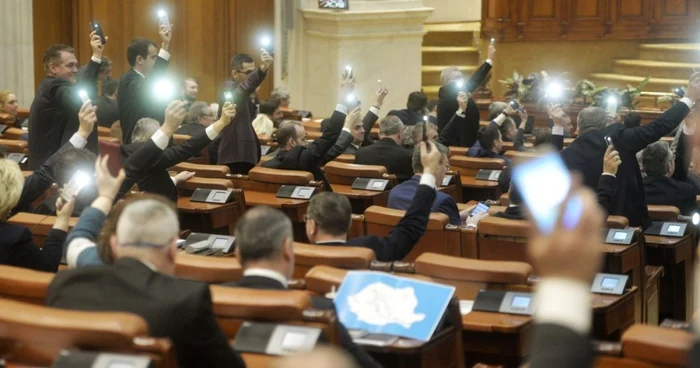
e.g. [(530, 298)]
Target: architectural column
[(17, 48), (380, 39)]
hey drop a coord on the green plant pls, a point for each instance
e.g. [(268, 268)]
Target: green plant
[(515, 88), (584, 90), (627, 96)]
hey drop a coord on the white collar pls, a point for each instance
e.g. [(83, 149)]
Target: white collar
[(356, 145), (270, 274), (148, 264), (142, 76)]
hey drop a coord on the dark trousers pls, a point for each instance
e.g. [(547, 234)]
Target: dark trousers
[(240, 167)]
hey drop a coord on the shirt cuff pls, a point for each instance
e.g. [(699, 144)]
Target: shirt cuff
[(160, 139), (564, 302), (489, 61), (460, 114), (374, 110), (211, 132), (428, 179), (75, 248), (688, 102), (557, 130), (174, 180), (688, 131), (164, 54), (347, 130), (99, 61), (341, 108), (77, 141), (609, 174)]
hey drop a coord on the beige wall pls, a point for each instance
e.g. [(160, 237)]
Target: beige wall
[(579, 58), (454, 10)]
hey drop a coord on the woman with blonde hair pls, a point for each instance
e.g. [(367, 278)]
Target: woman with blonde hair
[(9, 108), (17, 248)]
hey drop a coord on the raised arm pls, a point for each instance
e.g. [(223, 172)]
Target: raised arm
[(345, 137), (373, 115), (452, 127), (480, 74), (684, 149), (559, 119), (320, 147), (607, 184)]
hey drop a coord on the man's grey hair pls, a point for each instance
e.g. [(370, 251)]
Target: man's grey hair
[(147, 223), (261, 232), (496, 108), (144, 129), (415, 159), (591, 118), (447, 72), (656, 158), (196, 111), (390, 125), (280, 93), (417, 132)]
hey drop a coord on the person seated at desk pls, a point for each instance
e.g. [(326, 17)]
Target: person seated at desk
[(146, 161), (142, 282), (269, 117), (8, 110), (401, 196), (199, 117), (329, 217), (490, 144), (388, 151), (414, 111), (666, 178), (361, 137), (265, 250)]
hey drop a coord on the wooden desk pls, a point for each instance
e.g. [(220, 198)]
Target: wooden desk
[(39, 225), (295, 209), (613, 314), (361, 199), (207, 217), (478, 190), (626, 259), (495, 338), (676, 256)]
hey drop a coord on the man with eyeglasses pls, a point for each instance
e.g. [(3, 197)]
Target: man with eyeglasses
[(142, 282), (239, 147), (53, 117)]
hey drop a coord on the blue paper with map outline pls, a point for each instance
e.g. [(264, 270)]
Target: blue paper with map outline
[(381, 303)]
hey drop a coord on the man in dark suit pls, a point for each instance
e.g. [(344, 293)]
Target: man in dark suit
[(265, 249), (329, 217), (147, 159), (414, 111), (53, 116), (239, 147), (104, 75), (388, 151), (199, 117), (401, 196), (666, 182), (107, 108), (361, 132), (136, 96), (142, 282), (586, 153), (452, 84)]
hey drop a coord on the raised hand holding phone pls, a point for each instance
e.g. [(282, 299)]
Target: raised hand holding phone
[(611, 160), (429, 157)]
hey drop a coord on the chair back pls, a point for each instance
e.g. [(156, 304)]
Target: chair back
[(14, 146), (24, 285), (306, 256), (518, 157), (470, 166), (40, 225), (663, 213), (188, 187), (13, 133), (345, 158), (203, 171), (213, 270), (263, 179), (502, 239), (458, 151), (345, 174)]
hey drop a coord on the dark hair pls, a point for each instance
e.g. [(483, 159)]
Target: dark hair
[(487, 135), (52, 55), (238, 60), (69, 160), (332, 212), (416, 101), (261, 232), (504, 179), (543, 136), (633, 120), (432, 104), (514, 195), (109, 227), (505, 127), (269, 106), (138, 47), (285, 131), (106, 62), (109, 87)]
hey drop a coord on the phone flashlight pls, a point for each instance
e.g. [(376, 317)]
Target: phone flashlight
[(493, 41), (75, 185), (83, 95), (228, 97), (163, 90), (163, 19)]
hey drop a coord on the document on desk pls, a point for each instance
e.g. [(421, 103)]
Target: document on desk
[(380, 303)]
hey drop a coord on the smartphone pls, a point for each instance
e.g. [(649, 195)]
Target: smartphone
[(266, 43), (96, 27), (381, 86), (352, 102), (609, 141), (544, 183), (529, 125), (514, 104), (83, 96), (493, 41), (480, 208), (228, 96), (163, 19), (348, 72), (678, 91), (75, 185), (425, 129)]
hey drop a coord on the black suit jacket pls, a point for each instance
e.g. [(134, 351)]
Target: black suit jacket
[(17, 248), (385, 152), (557, 346), (447, 106), (53, 116), (407, 116), (259, 282), (107, 112), (404, 236), (175, 308), (310, 158), (239, 143), (586, 153), (147, 165), (136, 98)]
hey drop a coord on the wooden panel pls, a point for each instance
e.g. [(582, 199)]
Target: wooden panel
[(675, 8), (673, 17), (206, 33), (585, 19), (542, 18), (499, 19)]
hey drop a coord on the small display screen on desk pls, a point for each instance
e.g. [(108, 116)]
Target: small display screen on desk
[(304, 192), (377, 184), (609, 283), (220, 196), (520, 302), (620, 235), (219, 243), (293, 340), (674, 229)]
